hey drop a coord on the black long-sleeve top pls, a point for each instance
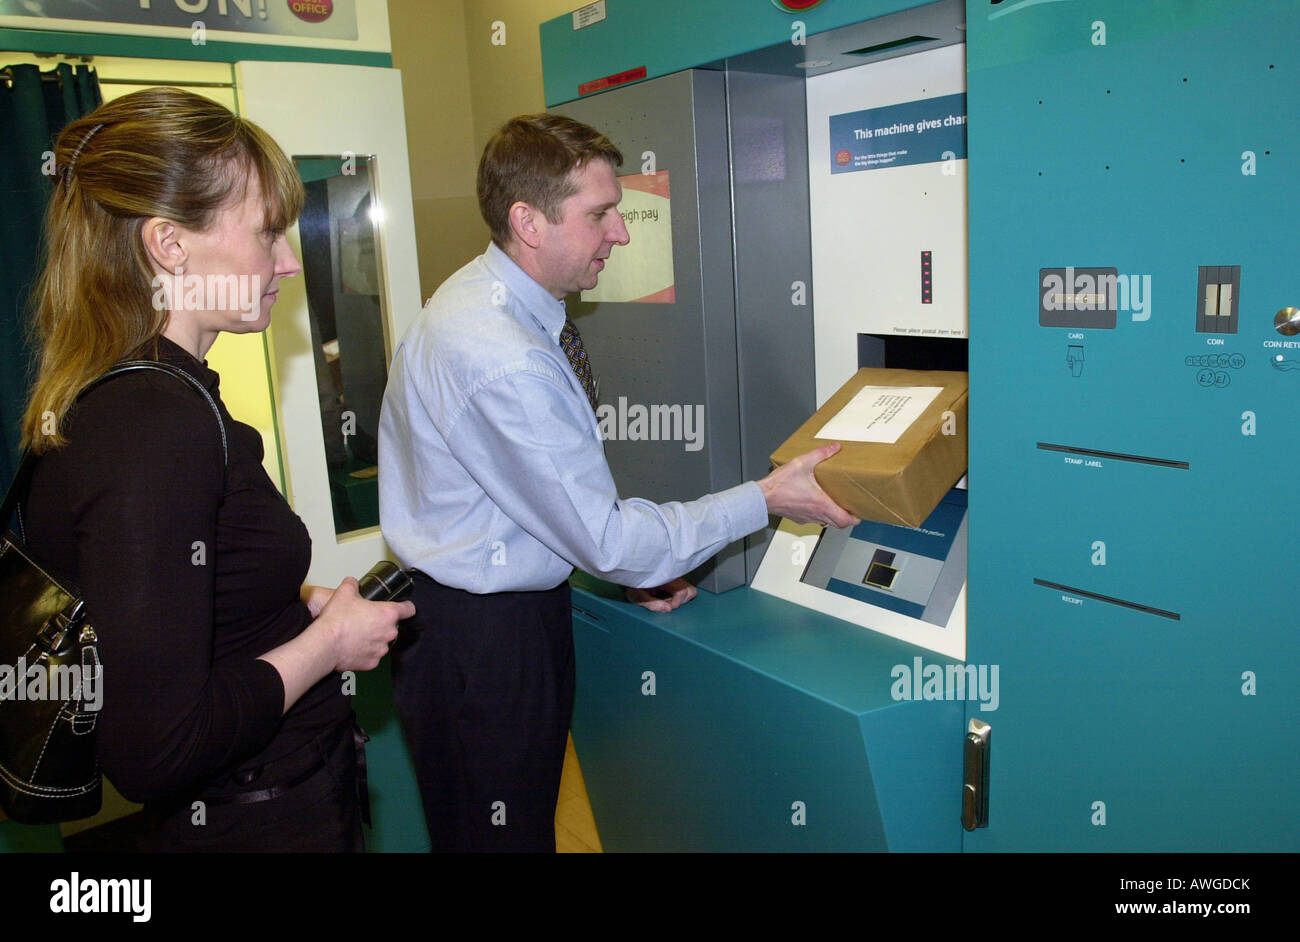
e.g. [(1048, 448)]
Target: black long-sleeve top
[(190, 571)]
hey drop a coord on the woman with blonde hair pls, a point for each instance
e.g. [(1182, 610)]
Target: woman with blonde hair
[(223, 709)]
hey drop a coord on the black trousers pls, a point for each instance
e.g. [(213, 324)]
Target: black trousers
[(484, 689)]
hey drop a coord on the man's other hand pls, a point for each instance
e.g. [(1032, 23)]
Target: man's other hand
[(665, 598), (792, 491)]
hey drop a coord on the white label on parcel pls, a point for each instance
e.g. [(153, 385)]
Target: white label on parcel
[(879, 413)]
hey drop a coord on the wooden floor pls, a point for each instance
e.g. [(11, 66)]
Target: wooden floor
[(575, 828)]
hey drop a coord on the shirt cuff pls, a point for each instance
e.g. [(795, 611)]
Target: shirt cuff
[(745, 508)]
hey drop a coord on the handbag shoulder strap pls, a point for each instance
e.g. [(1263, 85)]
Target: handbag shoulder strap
[(22, 478), (135, 366)]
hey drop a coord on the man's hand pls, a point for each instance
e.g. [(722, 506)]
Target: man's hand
[(792, 491), (665, 598)]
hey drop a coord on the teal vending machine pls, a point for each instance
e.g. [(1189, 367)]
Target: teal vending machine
[(1082, 203)]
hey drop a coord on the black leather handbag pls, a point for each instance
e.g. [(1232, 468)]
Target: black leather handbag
[(50, 691)]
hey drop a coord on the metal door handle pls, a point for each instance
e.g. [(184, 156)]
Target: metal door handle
[(975, 790)]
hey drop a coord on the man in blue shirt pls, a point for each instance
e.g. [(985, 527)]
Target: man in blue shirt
[(495, 486)]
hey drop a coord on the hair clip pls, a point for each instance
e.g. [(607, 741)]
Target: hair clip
[(72, 163)]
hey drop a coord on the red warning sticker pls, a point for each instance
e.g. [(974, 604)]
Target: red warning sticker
[(609, 81)]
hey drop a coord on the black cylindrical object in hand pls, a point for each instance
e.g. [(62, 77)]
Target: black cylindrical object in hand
[(385, 582)]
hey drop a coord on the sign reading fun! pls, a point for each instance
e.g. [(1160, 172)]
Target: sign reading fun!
[(324, 19)]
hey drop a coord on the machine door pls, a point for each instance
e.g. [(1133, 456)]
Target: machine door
[(1133, 442)]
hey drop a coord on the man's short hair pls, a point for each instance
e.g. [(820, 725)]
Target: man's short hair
[(529, 160)]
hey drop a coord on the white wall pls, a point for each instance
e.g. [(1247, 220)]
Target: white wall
[(348, 109)]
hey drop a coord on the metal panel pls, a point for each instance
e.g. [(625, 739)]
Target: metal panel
[(682, 353), (1147, 649), (667, 36), (774, 303), (706, 732)]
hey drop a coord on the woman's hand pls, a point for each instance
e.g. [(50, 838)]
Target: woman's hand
[(349, 634), (362, 630)]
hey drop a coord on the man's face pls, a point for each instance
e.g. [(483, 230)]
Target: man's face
[(572, 252)]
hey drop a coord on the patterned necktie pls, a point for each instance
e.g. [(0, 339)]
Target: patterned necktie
[(571, 343)]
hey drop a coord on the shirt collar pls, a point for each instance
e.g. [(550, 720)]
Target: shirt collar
[(536, 301), (174, 353)]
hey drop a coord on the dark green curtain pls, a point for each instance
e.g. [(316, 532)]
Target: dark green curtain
[(34, 108)]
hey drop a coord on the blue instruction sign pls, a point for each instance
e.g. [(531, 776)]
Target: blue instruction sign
[(914, 132)]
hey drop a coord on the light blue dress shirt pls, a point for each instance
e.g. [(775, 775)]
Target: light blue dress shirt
[(492, 473)]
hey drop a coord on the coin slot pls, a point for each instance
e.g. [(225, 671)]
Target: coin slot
[(1218, 287)]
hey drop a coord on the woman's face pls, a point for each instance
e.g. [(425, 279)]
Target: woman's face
[(233, 269)]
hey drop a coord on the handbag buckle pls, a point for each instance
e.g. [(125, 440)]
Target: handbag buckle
[(54, 633)]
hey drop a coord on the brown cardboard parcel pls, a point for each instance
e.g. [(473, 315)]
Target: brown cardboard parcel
[(899, 483)]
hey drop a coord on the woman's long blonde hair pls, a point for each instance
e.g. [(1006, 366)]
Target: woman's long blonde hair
[(160, 152)]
